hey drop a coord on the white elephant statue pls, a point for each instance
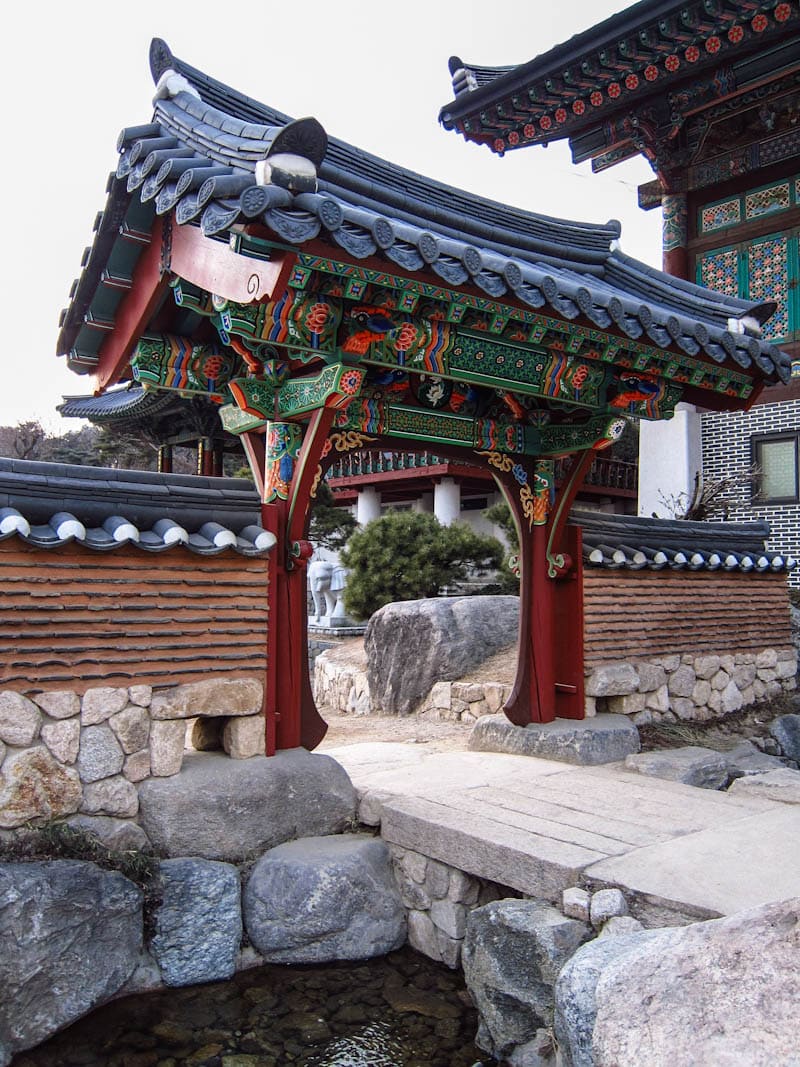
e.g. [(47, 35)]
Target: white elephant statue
[(327, 582)]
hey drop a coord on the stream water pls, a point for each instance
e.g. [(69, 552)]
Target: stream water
[(399, 1011)]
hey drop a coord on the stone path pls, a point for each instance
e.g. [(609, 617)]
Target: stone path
[(539, 827)]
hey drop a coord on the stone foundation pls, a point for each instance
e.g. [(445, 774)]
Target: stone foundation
[(61, 753), (438, 899), (666, 688), (693, 688)]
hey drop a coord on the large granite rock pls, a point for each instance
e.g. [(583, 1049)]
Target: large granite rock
[(71, 937), (718, 992), (120, 835), (512, 953), (34, 787), (199, 921), (692, 765), (323, 899), (745, 760), (786, 731), (588, 742), (223, 809), (443, 638)]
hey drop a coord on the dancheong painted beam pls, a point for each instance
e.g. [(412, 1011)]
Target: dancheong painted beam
[(324, 301)]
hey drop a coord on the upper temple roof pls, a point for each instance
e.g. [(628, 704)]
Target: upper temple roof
[(200, 156), (675, 54)]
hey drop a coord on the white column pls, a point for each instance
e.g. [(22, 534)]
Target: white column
[(670, 457), (368, 505), (447, 501)]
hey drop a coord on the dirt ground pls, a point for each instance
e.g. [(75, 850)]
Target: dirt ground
[(448, 735)]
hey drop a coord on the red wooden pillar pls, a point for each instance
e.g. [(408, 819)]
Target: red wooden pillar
[(549, 680), (290, 468)]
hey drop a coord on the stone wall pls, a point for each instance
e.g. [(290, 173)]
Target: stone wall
[(438, 899), (62, 753), (691, 687), (677, 686)]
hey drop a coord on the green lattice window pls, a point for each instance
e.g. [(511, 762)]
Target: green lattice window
[(765, 268), (745, 207)]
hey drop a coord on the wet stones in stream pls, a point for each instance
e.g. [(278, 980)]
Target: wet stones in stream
[(398, 1011)]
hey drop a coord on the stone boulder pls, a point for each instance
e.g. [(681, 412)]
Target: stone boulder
[(782, 784), (120, 835), (588, 742), (692, 765), (718, 992), (223, 809), (324, 899), (512, 954), (71, 937), (443, 638), (199, 921), (20, 719), (745, 760), (34, 787), (786, 731)]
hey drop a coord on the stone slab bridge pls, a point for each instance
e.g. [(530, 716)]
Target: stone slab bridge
[(324, 300)]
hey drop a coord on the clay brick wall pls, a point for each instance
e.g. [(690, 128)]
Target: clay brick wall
[(76, 618), (641, 614)]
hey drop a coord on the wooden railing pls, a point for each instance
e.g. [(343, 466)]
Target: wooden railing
[(372, 461), (604, 473), (607, 474)]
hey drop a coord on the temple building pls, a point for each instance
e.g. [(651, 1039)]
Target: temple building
[(322, 301), (709, 93)]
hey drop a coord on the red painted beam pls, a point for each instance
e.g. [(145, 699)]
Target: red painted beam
[(133, 315), (215, 267)]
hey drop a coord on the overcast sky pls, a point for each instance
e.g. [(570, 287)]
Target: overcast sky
[(373, 74)]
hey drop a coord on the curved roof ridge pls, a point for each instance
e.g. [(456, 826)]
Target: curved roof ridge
[(345, 164)]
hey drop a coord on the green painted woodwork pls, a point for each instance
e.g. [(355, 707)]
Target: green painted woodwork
[(335, 385), (236, 421), (760, 269), (171, 362), (495, 435)]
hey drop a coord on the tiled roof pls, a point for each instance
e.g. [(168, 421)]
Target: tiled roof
[(630, 542), (198, 158), (51, 504), (655, 52), (128, 402)]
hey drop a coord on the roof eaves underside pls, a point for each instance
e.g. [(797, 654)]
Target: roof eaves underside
[(634, 58), (503, 81), (569, 269)]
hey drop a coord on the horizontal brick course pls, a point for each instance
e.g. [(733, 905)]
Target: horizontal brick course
[(641, 614), (73, 618)]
